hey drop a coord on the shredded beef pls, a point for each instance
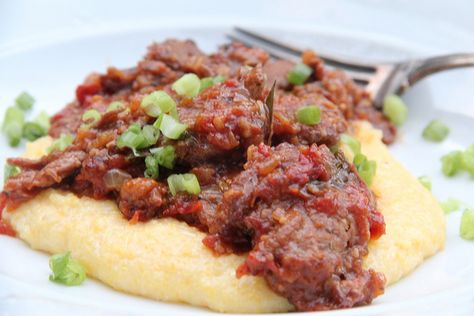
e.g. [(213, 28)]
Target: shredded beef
[(300, 213)]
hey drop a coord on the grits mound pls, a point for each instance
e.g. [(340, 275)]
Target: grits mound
[(165, 259)]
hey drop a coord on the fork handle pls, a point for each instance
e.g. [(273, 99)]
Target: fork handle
[(432, 65)]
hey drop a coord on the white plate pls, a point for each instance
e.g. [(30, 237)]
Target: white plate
[(50, 72)]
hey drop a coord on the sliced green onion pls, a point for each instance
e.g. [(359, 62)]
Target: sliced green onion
[(13, 125), (450, 205), (351, 142), (130, 139), (187, 182), (451, 163), (10, 171), (42, 119), (435, 131), (60, 144), (32, 131), (187, 86), (91, 117), (24, 101), (66, 270), (136, 137), (157, 102), (170, 127), (309, 115), (116, 105), (468, 159), (366, 168), (208, 82), (151, 135), (135, 128), (426, 182), (152, 170), (466, 229), (299, 74), (165, 156), (395, 109)]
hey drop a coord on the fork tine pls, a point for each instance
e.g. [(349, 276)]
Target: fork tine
[(361, 77), (335, 61)]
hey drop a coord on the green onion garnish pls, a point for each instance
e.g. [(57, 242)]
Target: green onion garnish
[(91, 117), (395, 109), (366, 168), (60, 144), (208, 82), (130, 139), (13, 125), (152, 170), (425, 181), (116, 105), (186, 182), (10, 171), (136, 137), (309, 115), (187, 86), (351, 142), (170, 127), (42, 119), (451, 163), (165, 156), (66, 270), (466, 230), (435, 131), (24, 101), (157, 102), (299, 74), (32, 131), (151, 135), (468, 160), (450, 205)]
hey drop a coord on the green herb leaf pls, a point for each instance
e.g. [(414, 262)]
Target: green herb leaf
[(269, 107)]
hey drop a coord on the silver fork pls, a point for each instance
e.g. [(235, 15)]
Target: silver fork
[(379, 80)]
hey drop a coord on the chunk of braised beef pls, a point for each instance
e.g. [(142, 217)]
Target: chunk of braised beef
[(303, 214), (177, 54), (287, 128), (50, 172), (94, 170), (277, 71), (224, 119), (142, 198)]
